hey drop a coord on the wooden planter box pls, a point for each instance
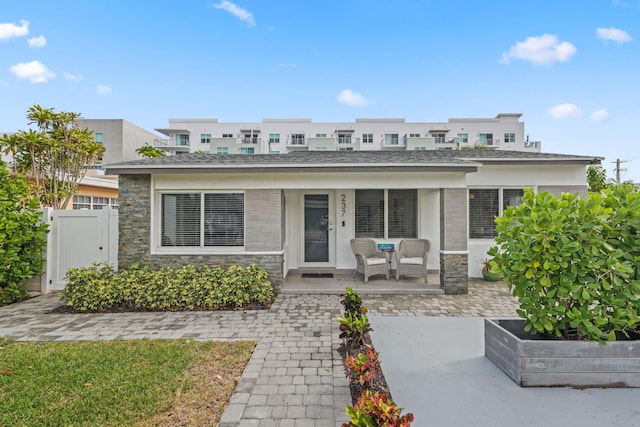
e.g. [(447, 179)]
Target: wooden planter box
[(542, 361)]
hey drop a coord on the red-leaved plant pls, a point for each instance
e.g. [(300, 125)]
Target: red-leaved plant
[(363, 367), (376, 410)]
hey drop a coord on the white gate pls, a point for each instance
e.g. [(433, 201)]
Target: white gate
[(76, 239)]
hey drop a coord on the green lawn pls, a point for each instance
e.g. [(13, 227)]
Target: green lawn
[(98, 383)]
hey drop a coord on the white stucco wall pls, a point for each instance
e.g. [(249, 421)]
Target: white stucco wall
[(339, 184), (531, 176)]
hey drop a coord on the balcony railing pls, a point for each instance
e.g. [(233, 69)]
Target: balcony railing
[(170, 144), (443, 141), (490, 143), (533, 145), (296, 141), (249, 140)]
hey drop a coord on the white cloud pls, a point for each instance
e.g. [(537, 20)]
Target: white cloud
[(72, 77), (34, 71), (600, 115), (352, 99), (103, 90), (10, 30), (565, 111), (541, 50), (614, 34), (39, 41), (237, 11)]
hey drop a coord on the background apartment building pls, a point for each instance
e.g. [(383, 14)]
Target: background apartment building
[(279, 136)]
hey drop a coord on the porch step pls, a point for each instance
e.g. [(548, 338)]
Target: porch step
[(363, 290), (310, 281)]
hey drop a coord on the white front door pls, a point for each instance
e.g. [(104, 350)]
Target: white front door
[(318, 235)]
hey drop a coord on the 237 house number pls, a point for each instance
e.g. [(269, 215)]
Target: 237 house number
[(343, 204)]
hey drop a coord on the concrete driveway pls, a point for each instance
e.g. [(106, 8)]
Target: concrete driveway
[(435, 368)]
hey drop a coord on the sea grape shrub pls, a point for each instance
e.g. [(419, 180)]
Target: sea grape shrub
[(573, 263)]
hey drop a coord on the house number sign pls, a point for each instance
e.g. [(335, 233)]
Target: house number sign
[(343, 204)]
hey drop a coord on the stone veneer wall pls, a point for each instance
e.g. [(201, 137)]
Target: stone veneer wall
[(135, 231), (454, 256), (454, 273)]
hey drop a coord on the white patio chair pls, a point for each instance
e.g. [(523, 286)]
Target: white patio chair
[(369, 260), (411, 258)]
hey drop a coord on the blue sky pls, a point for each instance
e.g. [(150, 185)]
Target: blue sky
[(572, 67)]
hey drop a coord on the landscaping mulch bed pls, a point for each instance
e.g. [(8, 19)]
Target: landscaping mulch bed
[(377, 384), (126, 308)]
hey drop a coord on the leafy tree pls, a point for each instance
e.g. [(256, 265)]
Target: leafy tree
[(22, 236), (149, 151), (54, 158), (597, 178)]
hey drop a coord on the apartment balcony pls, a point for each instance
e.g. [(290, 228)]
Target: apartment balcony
[(393, 143), (446, 144), (171, 145), (489, 143), (426, 143), (333, 144), (298, 144), (533, 146), (236, 146), (249, 140)]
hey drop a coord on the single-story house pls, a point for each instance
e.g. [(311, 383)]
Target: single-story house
[(300, 210)]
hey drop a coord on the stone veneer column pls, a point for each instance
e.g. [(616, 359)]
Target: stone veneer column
[(454, 255)]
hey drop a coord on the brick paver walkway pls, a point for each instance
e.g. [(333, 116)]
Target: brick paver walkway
[(295, 377)]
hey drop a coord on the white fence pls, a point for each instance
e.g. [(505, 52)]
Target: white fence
[(76, 239)]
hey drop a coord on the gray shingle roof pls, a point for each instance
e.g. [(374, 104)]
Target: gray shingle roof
[(449, 159)]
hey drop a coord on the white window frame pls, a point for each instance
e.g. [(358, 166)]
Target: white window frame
[(274, 138), (501, 206), (205, 138), (80, 202), (486, 139), (385, 223), (391, 139), (298, 139), (509, 137), (157, 246)]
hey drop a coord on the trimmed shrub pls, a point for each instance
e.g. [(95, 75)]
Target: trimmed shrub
[(573, 263), (190, 287)]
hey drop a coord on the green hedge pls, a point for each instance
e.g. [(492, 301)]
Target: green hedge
[(191, 287)]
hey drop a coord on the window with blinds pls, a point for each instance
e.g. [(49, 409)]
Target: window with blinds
[(224, 219), (202, 219), (370, 213), (511, 197), (403, 214), (485, 205), (386, 214)]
